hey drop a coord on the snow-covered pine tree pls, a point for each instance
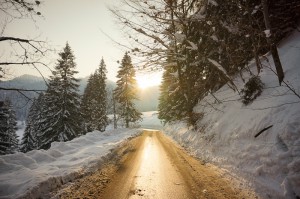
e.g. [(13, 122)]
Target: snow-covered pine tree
[(8, 127), (94, 101), (171, 99), (61, 116), (126, 92), (100, 111), (30, 138), (87, 105), (165, 108)]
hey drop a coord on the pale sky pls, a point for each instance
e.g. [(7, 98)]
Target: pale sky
[(78, 22)]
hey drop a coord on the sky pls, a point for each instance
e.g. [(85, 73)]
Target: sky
[(78, 22)]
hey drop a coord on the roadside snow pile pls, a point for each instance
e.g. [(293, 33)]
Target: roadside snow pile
[(271, 161), (37, 172), (150, 120)]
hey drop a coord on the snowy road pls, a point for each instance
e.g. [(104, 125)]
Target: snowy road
[(153, 166), (149, 173)]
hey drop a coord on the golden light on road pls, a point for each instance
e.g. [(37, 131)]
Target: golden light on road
[(148, 80)]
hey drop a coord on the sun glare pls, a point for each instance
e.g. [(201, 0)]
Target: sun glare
[(145, 80)]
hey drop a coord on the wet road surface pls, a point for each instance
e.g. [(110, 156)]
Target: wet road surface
[(152, 166), (150, 174)]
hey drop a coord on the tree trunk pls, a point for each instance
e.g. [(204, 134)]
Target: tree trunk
[(257, 61), (271, 42)]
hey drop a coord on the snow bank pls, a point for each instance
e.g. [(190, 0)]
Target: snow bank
[(34, 174), (271, 162)]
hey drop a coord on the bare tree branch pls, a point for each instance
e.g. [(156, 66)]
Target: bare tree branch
[(284, 82), (14, 39), (20, 89), (19, 63)]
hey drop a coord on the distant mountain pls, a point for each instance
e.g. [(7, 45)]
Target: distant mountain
[(25, 82), (148, 97), (38, 83), (22, 102)]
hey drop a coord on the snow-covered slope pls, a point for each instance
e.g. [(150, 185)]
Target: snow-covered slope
[(37, 172), (271, 162)]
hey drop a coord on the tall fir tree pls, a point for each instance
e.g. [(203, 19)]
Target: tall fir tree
[(126, 92), (87, 105), (100, 111), (61, 115), (8, 127), (170, 99), (30, 138), (94, 100)]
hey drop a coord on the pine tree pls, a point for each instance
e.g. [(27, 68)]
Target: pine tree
[(87, 105), (126, 91), (61, 116), (100, 111), (30, 138), (94, 101), (8, 127), (170, 98)]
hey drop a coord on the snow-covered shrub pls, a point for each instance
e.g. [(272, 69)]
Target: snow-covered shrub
[(253, 88)]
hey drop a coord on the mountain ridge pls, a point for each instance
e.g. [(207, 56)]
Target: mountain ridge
[(148, 97)]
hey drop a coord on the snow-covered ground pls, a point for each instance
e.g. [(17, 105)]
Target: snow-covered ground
[(37, 172), (271, 162)]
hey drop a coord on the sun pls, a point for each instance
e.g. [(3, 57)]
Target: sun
[(148, 80)]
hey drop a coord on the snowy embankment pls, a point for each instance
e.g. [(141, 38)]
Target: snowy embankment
[(271, 161), (34, 174)]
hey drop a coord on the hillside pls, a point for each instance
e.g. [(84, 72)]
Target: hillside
[(227, 133), (148, 97)]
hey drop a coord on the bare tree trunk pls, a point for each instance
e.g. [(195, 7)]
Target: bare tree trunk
[(255, 50), (272, 44), (257, 61)]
